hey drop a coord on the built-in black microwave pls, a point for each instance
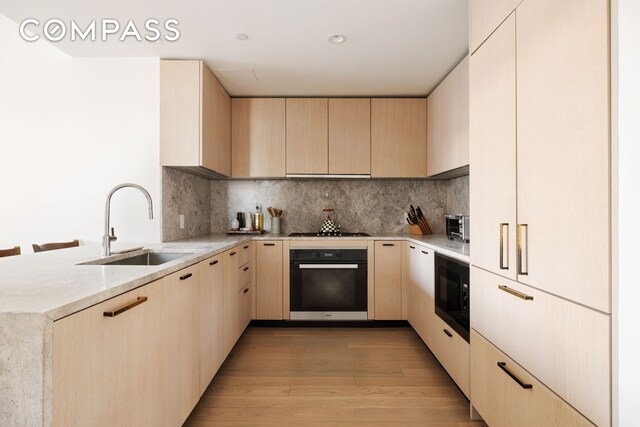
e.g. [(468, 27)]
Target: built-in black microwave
[(452, 294)]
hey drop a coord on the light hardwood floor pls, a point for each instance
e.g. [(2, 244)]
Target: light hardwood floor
[(331, 376)]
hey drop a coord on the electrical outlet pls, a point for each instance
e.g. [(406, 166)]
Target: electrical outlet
[(181, 221)]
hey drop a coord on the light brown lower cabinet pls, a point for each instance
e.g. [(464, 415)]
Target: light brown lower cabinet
[(506, 395), (106, 368), (211, 356), (451, 350), (388, 280), (181, 355), (269, 277)]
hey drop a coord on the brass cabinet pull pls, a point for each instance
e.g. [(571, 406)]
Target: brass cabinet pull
[(246, 268), (269, 244), (246, 290), (121, 310), (214, 262), (424, 252), (412, 247), (515, 293), (186, 276), (503, 265), (449, 334), (232, 253), (388, 244), (523, 249), (503, 366)]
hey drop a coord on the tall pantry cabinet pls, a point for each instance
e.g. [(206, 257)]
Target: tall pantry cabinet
[(540, 199)]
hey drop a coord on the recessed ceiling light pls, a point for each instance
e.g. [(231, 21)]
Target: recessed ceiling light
[(242, 37), (337, 38)]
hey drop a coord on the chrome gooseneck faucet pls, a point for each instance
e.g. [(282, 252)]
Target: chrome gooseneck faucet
[(108, 238)]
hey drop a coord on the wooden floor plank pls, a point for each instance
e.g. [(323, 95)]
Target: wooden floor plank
[(331, 377)]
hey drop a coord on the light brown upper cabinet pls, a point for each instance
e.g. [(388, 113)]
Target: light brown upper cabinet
[(448, 122), (485, 16), (307, 136), (195, 118), (398, 137), (350, 136), (258, 137)]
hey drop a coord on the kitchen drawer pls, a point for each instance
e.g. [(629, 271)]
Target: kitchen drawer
[(509, 396), (565, 345), (451, 350), (245, 273), (244, 251), (245, 307)]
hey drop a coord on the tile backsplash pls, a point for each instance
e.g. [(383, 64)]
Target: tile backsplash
[(372, 206)]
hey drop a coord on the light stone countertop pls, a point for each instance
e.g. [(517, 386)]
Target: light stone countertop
[(51, 283)]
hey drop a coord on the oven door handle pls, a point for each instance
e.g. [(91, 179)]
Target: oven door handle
[(328, 266)]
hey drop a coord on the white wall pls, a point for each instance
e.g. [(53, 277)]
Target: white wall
[(70, 130), (626, 156)]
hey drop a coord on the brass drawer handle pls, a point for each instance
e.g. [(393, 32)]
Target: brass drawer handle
[(504, 266), (121, 310), (515, 293), (186, 276), (503, 366), (246, 268), (268, 244), (214, 262), (246, 290), (388, 244), (232, 253), (523, 249), (449, 334)]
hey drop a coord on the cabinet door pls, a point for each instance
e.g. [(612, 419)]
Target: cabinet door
[(388, 280), (215, 124), (399, 138), (434, 132), (512, 397), (181, 367), (485, 16), (563, 148), (307, 136), (180, 113), (230, 295), (258, 137), (425, 281), (464, 111), (450, 105), (412, 291), (492, 128), (210, 319), (452, 351), (350, 136), (106, 369), (245, 307), (269, 280)]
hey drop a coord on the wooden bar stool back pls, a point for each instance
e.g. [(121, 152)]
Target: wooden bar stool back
[(10, 252), (53, 246)]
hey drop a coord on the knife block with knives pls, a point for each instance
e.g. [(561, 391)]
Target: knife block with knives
[(418, 224)]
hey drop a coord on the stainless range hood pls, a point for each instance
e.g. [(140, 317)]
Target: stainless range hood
[(326, 176)]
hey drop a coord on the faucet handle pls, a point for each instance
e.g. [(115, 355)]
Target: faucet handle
[(113, 235)]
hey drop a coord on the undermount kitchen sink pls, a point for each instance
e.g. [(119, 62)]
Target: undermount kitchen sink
[(144, 258)]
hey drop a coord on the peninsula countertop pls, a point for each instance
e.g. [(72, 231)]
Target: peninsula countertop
[(52, 283)]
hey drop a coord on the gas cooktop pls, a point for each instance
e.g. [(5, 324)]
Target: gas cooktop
[(336, 234)]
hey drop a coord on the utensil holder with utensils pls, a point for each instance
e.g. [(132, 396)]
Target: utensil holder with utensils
[(418, 224)]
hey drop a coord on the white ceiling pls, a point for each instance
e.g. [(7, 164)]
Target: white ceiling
[(393, 48)]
